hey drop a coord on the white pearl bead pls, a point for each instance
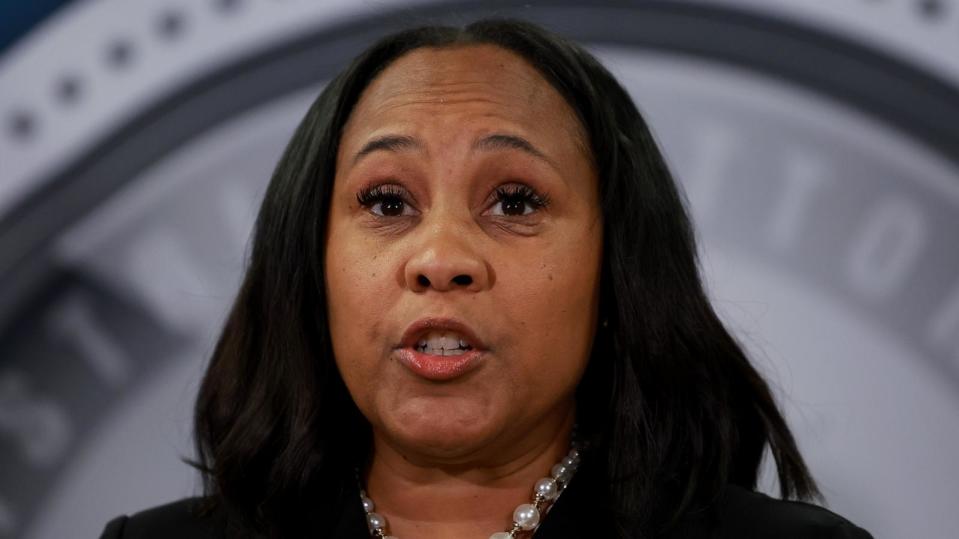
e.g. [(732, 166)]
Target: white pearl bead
[(546, 488), (560, 473), (526, 516), (574, 453), (569, 462), (368, 505), (501, 535), (376, 521)]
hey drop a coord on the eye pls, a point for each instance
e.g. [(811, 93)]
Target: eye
[(385, 200), (517, 200)]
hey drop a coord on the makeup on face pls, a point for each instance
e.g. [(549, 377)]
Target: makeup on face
[(463, 252)]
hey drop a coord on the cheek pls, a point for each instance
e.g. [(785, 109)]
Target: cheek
[(356, 281), (358, 272), (554, 301)]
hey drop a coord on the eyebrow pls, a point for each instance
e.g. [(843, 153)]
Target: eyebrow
[(497, 141), (510, 142), (391, 143)]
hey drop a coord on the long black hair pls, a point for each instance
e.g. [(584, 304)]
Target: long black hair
[(669, 400)]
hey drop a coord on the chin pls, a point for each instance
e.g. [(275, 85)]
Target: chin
[(443, 434)]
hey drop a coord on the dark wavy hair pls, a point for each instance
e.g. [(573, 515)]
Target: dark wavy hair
[(669, 401)]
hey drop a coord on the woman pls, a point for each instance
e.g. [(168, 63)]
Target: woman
[(473, 284)]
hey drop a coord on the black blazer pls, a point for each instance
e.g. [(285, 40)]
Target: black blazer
[(577, 514)]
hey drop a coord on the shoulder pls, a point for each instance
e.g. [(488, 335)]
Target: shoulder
[(744, 513), (189, 518)]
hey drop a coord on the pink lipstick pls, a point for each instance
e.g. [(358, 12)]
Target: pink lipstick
[(440, 349)]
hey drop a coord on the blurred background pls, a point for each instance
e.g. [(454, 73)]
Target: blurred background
[(817, 142)]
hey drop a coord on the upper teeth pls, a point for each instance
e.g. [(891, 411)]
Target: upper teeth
[(442, 343)]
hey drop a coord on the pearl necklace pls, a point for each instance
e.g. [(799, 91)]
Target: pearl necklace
[(526, 517)]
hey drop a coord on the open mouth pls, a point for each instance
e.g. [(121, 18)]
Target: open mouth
[(442, 343), (440, 349)]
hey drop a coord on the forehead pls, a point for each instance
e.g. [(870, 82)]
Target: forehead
[(481, 84)]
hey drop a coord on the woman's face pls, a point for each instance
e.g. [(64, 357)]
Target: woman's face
[(463, 252)]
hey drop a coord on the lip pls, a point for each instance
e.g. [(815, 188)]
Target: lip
[(438, 368), (434, 367), (425, 325)]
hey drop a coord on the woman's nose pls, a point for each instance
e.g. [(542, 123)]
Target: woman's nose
[(446, 261)]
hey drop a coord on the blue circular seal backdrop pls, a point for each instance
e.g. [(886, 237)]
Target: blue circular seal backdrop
[(818, 147)]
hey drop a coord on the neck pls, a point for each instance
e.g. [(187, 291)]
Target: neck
[(470, 496)]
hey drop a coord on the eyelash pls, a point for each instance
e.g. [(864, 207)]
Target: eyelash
[(370, 196), (525, 193), (378, 193)]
